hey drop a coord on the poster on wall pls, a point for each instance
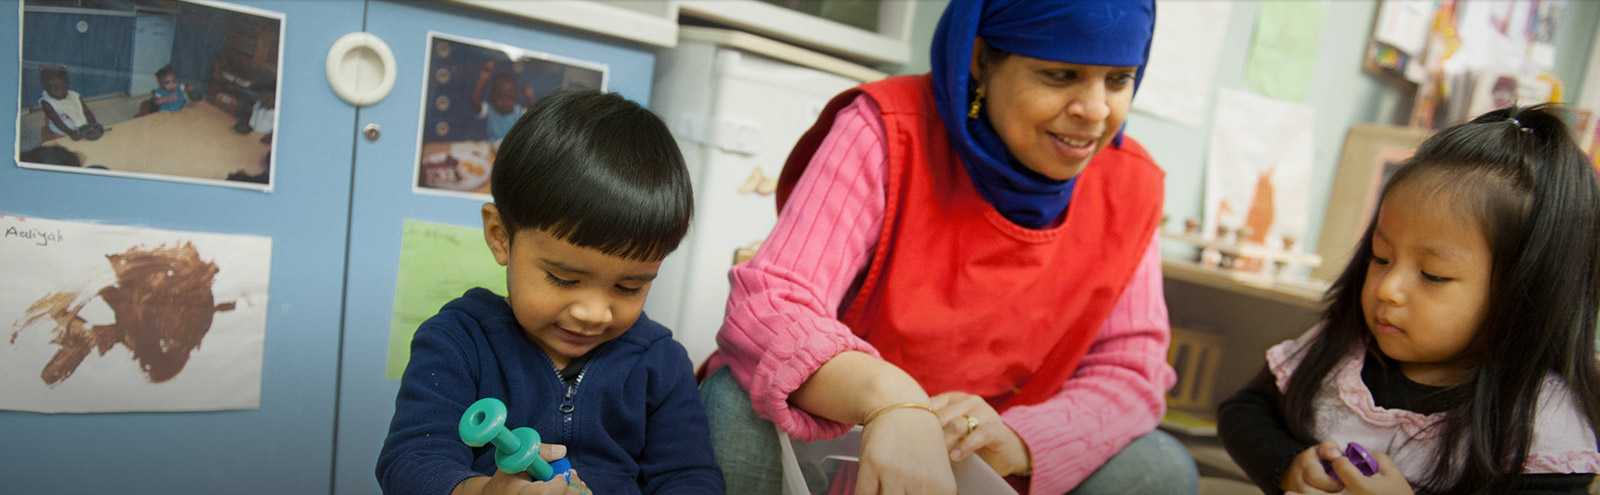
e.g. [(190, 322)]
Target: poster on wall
[(475, 92), (1183, 61), (1258, 173), (176, 90), (438, 263), (104, 318)]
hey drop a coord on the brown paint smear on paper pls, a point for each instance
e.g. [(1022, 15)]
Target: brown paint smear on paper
[(163, 305)]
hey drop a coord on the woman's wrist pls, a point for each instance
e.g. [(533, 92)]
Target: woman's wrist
[(892, 387), (876, 413)]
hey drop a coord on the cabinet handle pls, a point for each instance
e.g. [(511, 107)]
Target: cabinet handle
[(360, 68)]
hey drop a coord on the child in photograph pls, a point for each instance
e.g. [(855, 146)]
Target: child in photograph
[(52, 155), (261, 115), (1458, 345), (64, 111), (170, 95), (590, 194), (504, 105)]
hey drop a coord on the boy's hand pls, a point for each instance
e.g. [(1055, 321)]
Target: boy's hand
[(1387, 481), (1305, 474), (503, 483), (519, 484), (488, 70)]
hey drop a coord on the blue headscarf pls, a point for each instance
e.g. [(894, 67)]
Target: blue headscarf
[(1087, 32)]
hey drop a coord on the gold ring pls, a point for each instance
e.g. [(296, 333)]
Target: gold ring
[(972, 423)]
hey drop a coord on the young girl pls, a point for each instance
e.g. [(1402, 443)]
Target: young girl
[(1458, 347)]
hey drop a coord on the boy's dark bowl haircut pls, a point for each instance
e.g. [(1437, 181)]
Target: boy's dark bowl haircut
[(595, 170)]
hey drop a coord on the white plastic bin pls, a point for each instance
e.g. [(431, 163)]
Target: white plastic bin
[(808, 468)]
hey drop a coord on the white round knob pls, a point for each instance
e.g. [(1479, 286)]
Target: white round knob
[(360, 69)]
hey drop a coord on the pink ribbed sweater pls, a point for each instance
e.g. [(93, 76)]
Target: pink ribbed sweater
[(782, 319)]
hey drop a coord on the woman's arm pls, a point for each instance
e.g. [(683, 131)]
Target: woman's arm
[(1117, 394), (782, 338)]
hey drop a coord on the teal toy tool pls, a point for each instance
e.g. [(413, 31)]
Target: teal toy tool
[(516, 450)]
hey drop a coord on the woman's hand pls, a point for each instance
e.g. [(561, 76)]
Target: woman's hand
[(989, 437), (1305, 474), (902, 453), (1387, 481)]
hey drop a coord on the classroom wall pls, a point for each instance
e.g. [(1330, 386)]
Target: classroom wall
[(1341, 93), (53, 38), (285, 446)]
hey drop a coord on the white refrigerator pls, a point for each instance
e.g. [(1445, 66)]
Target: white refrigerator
[(736, 103)]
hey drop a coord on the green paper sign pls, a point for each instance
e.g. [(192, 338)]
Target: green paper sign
[(438, 263)]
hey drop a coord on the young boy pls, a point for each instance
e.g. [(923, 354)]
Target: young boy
[(65, 113), (504, 106), (170, 95), (590, 193)]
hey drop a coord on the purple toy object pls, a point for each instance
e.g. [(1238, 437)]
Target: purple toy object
[(1357, 455)]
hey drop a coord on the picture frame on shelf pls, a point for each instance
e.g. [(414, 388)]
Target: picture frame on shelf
[(1370, 155)]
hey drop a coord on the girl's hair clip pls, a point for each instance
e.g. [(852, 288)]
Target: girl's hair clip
[(1519, 125)]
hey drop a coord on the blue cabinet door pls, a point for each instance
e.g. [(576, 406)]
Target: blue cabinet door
[(386, 173), (286, 445)]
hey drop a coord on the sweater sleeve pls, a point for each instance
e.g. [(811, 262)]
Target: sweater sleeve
[(1117, 394), (1254, 432), (782, 315), (677, 456), (423, 454)]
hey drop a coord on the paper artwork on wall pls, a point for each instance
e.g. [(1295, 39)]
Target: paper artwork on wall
[(108, 318), (1258, 172)]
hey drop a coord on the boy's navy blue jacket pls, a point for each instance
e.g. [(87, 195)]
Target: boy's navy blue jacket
[(636, 424)]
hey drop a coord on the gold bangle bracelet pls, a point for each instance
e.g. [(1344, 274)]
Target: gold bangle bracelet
[(901, 405)]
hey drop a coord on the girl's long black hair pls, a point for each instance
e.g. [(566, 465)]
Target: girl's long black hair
[(1533, 193)]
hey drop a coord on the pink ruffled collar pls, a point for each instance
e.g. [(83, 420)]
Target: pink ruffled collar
[(1355, 394)]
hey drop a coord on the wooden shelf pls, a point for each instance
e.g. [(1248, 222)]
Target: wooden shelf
[(1185, 271)]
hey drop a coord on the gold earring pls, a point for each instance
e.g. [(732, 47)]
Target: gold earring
[(977, 104)]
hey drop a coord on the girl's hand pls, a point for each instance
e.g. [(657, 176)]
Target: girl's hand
[(1305, 474), (902, 453), (488, 70), (1387, 481), (993, 441)]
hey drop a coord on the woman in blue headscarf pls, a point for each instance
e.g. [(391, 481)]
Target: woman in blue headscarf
[(965, 262)]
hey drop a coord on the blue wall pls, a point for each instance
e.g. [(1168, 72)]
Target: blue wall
[(286, 445)]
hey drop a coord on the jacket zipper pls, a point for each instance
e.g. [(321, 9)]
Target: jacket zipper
[(569, 402)]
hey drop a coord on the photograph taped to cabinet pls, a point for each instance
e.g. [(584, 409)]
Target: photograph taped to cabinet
[(174, 90), (475, 92)]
